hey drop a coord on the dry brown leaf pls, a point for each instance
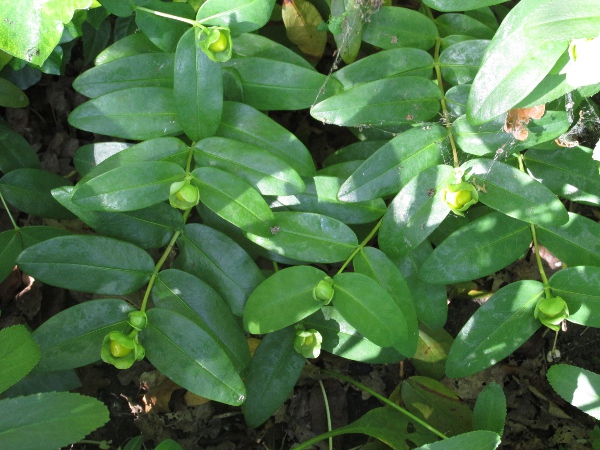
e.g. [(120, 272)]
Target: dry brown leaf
[(301, 19), (517, 120)]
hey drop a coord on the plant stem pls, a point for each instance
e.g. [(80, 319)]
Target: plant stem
[(170, 16), (14, 224), (361, 245), (327, 412)]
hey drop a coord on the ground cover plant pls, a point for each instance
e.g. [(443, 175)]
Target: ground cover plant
[(210, 227)]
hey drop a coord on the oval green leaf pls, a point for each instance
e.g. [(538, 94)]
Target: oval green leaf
[(240, 16), (19, 354), (580, 288), (577, 386)]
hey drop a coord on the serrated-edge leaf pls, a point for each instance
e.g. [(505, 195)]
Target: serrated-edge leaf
[(481, 440), (577, 386)]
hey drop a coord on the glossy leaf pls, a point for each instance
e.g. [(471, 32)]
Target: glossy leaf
[(367, 306), (564, 20), (19, 354), (496, 329), (189, 296), (150, 227), (432, 401), (577, 386), (460, 62), (576, 243), (461, 24), (490, 409), (163, 31), (267, 173), (342, 339), (390, 101), (580, 288), (191, 357), (320, 197), (29, 191), (251, 44), (460, 5), (144, 70), (246, 124), (301, 19), (283, 299), (10, 249), (198, 88), (88, 263), (514, 193), (90, 155), (128, 188), (308, 237), (233, 199), (393, 27), (73, 337), (274, 370), (129, 115), (11, 96), (15, 151), (35, 234), (133, 44), (38, 381), (482, 440), (416, 211), (376, 265), (513, 66), (358, 151), (221, 263), (394, 164), (386, 64), (349, 39), (54, 419), (480, 248), (241, 16), (432, 351), (456, 101)]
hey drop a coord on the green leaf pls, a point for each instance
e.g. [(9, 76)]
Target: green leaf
[(10, 249), (88, 263), (31, 30), (432, 351), (576, 243), (460, 5), (349, 40), (49, 420), (416, 211), (308, 237), (577, 386), (516, 194), (461, 24), (138, 113), (432, 401), (301, 19), (150, 227), (163, 31), (513, 66), (241, 16), (251, 44), (189, 296), (569, 174), (134, 44), (496, 329), (90, 155), (246, 124), (390, 101), (490, 409), (221, 263), (394, 164), (19, 354), (376, 265), (36, 382), (266, 172), (277, 85), (460, 62), (95, 39), (393, 27), (456, 101), (482, 440), (580, 288), (168, 444), (564, 20), (118, 7), (358, 151), (15, 151), (233, 199), (73, 337), (11, 96), (367, 306), (386, 64), (191, 357), (29, 191), (129, 187), (35, 234), (283, 299), (480, 248), (320, 197), (198, 88), (274, 370), (143, 70)]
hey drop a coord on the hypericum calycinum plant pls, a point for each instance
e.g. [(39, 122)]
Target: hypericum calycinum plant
[(457, 172)]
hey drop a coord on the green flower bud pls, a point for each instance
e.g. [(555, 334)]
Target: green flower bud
[(216, 43), (121, 350), (460, 196), (138, 320), (183, 195), (323, 291), (551, 312), (308, 343)]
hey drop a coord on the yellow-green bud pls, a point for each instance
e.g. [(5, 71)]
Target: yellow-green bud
[(323, 291), (121, 350), (183, 195), (308, 343), (138, 320), (551, 312), (460, 196), (216, 43)]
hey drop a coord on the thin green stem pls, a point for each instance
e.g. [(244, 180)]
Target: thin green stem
[(327, 412), (14, 224), (188, 165), (361, 245), (385, 400), (194, 23)]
